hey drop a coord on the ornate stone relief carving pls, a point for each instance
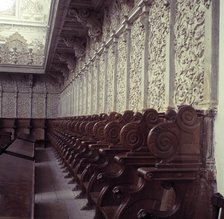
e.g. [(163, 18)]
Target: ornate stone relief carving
[(16, 50), (190, 47), (159, 28), (101, 84), (137, 46), (94, 86), (122, 58), (89, 19), (69, 60), (63, 69), (77, 44), (110, 91)]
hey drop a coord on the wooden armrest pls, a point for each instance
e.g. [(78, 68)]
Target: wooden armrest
[(136, 160), (97, 146), (88, 142), (111, 151), (153, 173)]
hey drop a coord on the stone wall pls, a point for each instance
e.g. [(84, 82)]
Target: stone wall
[(156, 53), (22, 98)]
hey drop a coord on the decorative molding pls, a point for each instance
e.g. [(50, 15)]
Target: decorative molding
[(77, 44), (88, 18), (69, 60)]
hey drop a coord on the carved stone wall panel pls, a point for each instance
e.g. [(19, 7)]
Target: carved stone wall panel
[(24, 105), (159, 18), (51, 86), (101, 84), (8, 83), (110, 91), (122, 58), (137, 46), (9, 105), (190, 47), (38, 105), (52, 105), (113, 17)]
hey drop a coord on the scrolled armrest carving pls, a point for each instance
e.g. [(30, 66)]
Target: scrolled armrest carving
[(187, 118), (112, 132), (163, 140), (131, 136), (151, 116), (98, 130)]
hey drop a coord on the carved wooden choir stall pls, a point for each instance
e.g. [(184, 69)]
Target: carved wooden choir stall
[(133, 165)]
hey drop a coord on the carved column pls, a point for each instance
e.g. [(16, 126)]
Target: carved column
[(16, 104), (45, 108), (97, 82), (211, 53), (105, 76), (127, 39), (145, 26), (170, 57), (115, 53), (31, 102), (91, 77), (1, 95), (86, 87), (73, 96), (82, 93)]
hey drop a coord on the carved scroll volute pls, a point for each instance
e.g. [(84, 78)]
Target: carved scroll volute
[(82, 127), (69, 125), (73, 125), (137, 117), (114, 116), (98, 130), (112, 132), (132, 137), (103, 116), (163, 140), (126, 117), (187, 118), (77, 44), (170, 115), (89, 128), (88, 19), (150, 118)]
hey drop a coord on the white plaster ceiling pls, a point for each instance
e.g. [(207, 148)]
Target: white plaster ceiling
[(24, 29)]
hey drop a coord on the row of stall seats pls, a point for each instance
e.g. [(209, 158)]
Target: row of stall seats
[(138, 165), (17, 126)]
